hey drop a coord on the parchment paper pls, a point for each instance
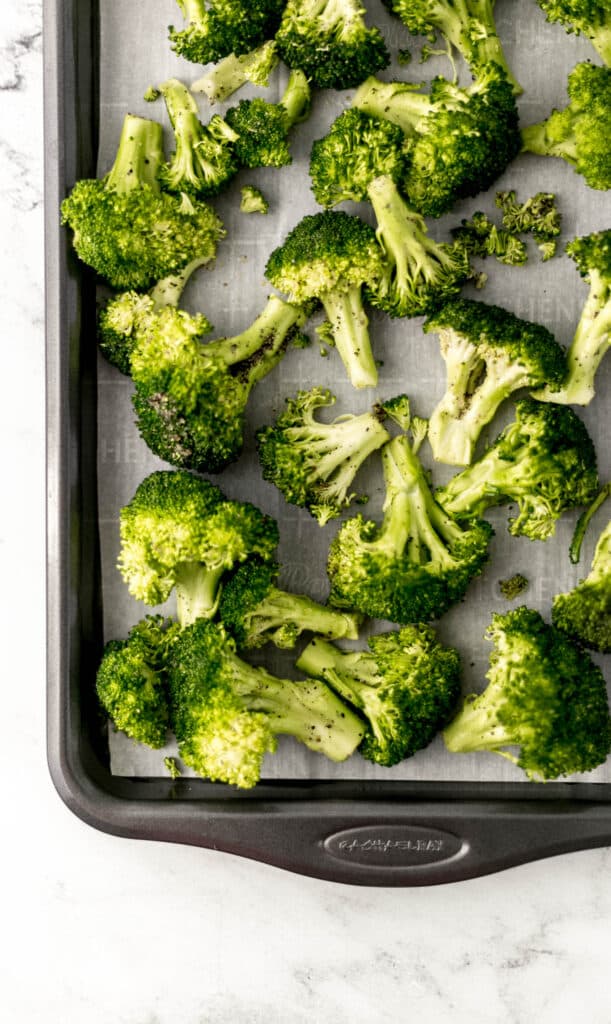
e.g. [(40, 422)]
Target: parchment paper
[(135, 53)]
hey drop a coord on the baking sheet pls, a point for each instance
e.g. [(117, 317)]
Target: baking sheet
[(234, 291)]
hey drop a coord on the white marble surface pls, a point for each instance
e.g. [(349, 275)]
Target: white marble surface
[(99, 930)]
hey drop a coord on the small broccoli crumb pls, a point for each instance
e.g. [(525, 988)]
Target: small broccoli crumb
[(253, 201), (172, 767), (151, 94), (513, 586), (404, 57)]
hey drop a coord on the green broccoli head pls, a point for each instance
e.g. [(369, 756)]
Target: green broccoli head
[(590, 18), (255, 610), (489, 354), (190, 398), (579, 133), (262, 129), (357, 148), (466, 25), (584, 613), (180, 533), (227, 714), (131, 683), (314, 464), (218, 28), (130, 232), (418, 563), (545, 461), (329, 41), (457, 140), (330, 256), (419, 274), (204, 160), (406, 687), (544, 696)]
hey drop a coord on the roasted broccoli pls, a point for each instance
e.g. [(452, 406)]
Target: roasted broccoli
[(231, 73), (419, 562), (263, 128), (131, 681), (253, 200), (592, 339), (255, 610), (126, 228), (191, 397), (329, 41), (227, 714), (458, 140), (312, 463), (218, 28), (130, 316), (584, 613), (466, 25), (544, 461), (479, 236), (406, 686), (330, 256), (513, 586), (180, 533), (544, 696), (538, 216), (579, 133), (489, 354), (204, 160), (590, 18)]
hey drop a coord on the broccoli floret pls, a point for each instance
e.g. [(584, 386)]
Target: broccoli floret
[(330, 256), (180, 533), (489, 353), (231, 73), (204, 160), (218, 28), (512, 587), (592, 339), (584, 613), (129, 231), (263, 128), (545, 461), (314, 464), (172, 767), (458, 140), (357, 148), (190, 397), (466, 25), (579, 133), (418, 563), (130, 316), (538, 216), (131, 682), (330, 42), (419, 274), (479, 236), (406, 686), (227, 714), (253, 200), (544, 696), (255, 610), (590, 18)]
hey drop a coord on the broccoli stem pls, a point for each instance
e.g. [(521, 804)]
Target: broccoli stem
[(139, 156), (231, 73), (296, 98), (168, 291), (197, 592), (478, 486), (600, 39), (591, 342), (543, 138), (483, 44), (584, 521), (404, 107), (194, 11), (342, 670), (287, 615), (267, 335), (344, 446), (307, 710), (349, 327), (476, 726)]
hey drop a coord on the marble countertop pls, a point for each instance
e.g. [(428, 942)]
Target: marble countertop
[(99, 929)]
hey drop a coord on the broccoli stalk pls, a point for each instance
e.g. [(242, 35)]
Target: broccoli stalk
[(544, 696), (124, 227), (255, 610), (262, 129), (314, 464), (590, 18), (592, 339), (204, 160), (406, 687), (231, 73), (545, 461), (420, 274), (227, 714), (584, 613), (418, 562)]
